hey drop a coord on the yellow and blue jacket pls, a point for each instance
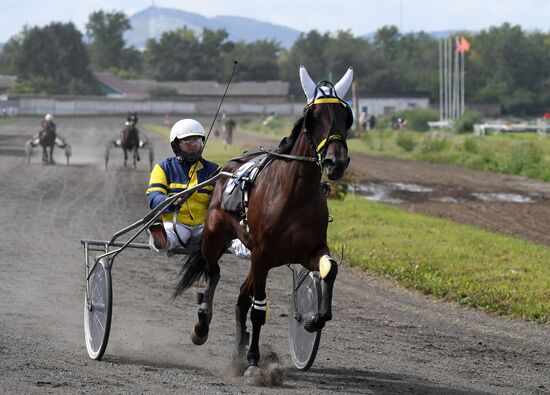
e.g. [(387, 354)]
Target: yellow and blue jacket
[(170, 177)]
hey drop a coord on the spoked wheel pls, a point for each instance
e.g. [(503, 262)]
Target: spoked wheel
[(68, 152), (107, 157), (151, 158), (304, 304), (97, 309), (28, 151)]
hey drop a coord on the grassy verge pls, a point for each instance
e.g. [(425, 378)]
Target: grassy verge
[(5, 121), (524, 154), (497, 273)]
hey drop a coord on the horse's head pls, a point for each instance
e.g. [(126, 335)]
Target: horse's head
[(327, 120), (131, 119)]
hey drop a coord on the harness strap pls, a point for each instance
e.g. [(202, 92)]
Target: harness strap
[(286, 156), (325, 142)]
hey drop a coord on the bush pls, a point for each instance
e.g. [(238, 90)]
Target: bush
[(406, 141), (434, 143), (466, 121), (470, 145), (418, 119), (163, 91)]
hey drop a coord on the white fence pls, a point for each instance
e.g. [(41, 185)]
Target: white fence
[(108, 106), (541, 127)]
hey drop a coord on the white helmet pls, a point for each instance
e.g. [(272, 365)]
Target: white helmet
[(48, 117), (185, 128)]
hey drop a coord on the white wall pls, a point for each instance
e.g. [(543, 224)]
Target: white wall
[(108, 106), (380, 106)]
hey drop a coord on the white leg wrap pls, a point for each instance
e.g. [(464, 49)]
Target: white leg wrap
[(259, 304), (325, 265)]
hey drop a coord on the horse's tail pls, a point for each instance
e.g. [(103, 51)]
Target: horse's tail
[(192, 271)]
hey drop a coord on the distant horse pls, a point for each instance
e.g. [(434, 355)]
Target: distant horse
[(287, 217), (48, 139), (129, 139)]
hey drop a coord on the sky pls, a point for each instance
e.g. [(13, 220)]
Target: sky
[(359, 16)]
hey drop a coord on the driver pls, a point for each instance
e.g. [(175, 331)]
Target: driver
[(185, 170), (48, 125)]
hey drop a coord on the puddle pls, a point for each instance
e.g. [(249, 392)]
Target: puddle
[(503, 197), (398, 192)]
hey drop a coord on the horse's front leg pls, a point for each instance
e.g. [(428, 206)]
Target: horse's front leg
[(135, 156), (257, 315), (125, 157), (45, 159), (328, 270), (52, 162), (242, 337)]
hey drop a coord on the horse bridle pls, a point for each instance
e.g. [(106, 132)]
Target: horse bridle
[(320, 149)]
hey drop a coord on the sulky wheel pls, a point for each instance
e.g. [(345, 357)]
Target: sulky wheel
[(304, 304), (151, 158), (98, 304), (28, 151)]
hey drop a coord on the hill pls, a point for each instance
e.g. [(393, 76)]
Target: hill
[(153, 21)]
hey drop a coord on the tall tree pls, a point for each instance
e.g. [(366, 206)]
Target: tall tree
[(257, 60), (308, 50), (53, 59), (174, 57), (106, 29)]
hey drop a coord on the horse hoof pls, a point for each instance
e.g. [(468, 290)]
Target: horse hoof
[(198, 340), (251, 371)]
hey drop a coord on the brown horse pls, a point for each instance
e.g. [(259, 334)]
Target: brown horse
[(129, 139), (48, 139), (287, 217)]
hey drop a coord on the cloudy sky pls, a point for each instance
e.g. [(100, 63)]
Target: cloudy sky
[(361, 16)]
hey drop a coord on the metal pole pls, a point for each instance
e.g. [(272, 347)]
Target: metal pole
[(462, 89), (445, 81), (441, 113), (450, 78)]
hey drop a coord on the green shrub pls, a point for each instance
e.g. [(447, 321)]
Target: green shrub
[(418, 119), (470, 145), (466, 121), (406, 141), (434, 142), (163, 91)]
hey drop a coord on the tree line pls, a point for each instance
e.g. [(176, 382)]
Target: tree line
[(505, 65)]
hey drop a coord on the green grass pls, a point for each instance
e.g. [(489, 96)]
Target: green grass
[(524, 154), (497, 273), (5, 121)]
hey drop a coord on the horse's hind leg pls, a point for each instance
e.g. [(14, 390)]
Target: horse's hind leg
[(200, 331), (328, 270), (125, 157), (242, 337), (211, 255)]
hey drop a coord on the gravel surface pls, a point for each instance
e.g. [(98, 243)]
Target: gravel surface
[(383, 339)]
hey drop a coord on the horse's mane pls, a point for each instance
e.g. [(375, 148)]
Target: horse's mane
[(286, 144)]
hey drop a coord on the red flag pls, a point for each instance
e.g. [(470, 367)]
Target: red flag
[(462, 45)]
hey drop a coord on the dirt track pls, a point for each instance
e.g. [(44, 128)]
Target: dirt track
[(383, 339)]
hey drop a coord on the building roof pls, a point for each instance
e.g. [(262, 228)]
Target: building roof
[(111, 84), (213, 88)]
